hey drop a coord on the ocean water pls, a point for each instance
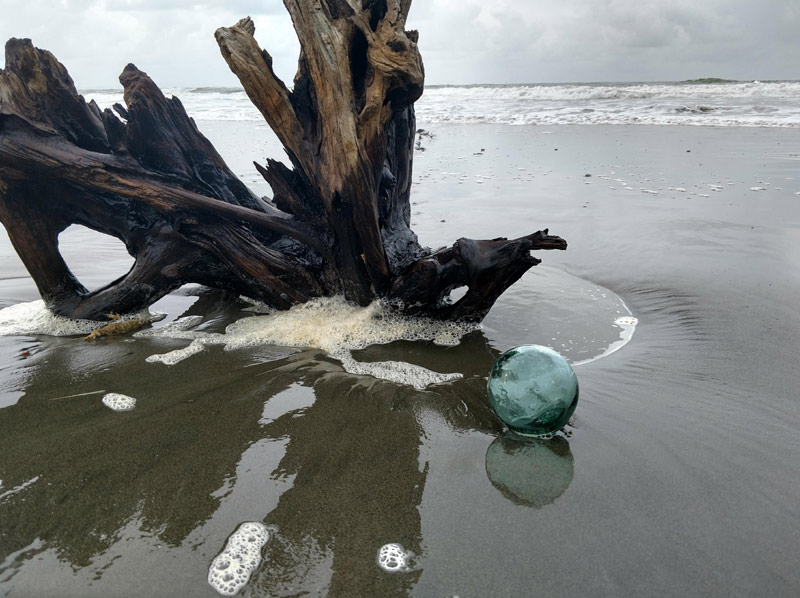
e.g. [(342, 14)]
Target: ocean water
[(678, 476), (709, 102)]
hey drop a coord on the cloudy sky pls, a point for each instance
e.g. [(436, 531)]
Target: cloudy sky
[(462, 41)]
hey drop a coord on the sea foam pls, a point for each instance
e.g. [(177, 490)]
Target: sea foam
[(118, 402), (333, 325), (230, 570), (34, 318), (393, 558)]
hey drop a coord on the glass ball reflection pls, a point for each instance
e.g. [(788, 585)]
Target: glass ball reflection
[(533, 390), (532, 472)]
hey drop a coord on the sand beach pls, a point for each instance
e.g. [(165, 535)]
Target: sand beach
[(679, 475)]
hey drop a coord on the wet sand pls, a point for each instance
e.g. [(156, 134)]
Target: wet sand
[(679, 477)]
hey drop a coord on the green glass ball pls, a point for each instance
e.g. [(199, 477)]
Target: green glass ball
[(533, 390)]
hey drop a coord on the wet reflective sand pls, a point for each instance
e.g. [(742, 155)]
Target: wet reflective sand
[(679, 477)]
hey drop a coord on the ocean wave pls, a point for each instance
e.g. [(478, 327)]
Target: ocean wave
[(600, 91), (708, 102)]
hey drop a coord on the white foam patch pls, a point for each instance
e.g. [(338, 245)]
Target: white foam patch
[(397, 371), (394, 558), (230, 570), (119, 402), (626, 321), (335, 326), (34, 318), (181, 329), (332, 324), (177, 355)]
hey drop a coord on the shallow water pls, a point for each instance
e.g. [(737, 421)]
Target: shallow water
[(679, 475)]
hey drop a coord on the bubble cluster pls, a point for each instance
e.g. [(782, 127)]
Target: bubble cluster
[(173, 357), (231, 569), (400, 372), (626, 321), (333, 325), (34, 318), (119, 402), (394, 558)]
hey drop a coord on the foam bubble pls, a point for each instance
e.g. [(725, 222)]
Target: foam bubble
[(34, 318), (626, 321), (396, 371), (230, 570), (119, 402), (177, 355), (394, 558), (332, 324)]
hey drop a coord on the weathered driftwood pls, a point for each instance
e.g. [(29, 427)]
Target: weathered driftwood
[(339, 220)]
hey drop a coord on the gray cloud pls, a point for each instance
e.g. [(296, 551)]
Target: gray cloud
[(173, 40), (245, 7), (580, 40), (462, 41)]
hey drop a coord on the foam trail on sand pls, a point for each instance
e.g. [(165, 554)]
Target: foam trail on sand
[(19, 488), (397, 371), (177, 355)]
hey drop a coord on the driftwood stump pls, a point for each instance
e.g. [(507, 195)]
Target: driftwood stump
[(339, 220)]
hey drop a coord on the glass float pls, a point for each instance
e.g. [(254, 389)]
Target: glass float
[(533, 390)]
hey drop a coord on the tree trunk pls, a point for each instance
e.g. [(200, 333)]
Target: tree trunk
[(339, 220)]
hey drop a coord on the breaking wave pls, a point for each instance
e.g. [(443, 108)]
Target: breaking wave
[(711, 102)]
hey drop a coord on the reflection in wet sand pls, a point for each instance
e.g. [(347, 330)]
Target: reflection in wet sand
[(356, 486), (532, 472), (687, 454), (339, 456)]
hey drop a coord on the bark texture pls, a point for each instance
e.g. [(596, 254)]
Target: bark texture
[(339, 218)]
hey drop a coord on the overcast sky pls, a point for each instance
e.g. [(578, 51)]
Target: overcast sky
[(462, 41)]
